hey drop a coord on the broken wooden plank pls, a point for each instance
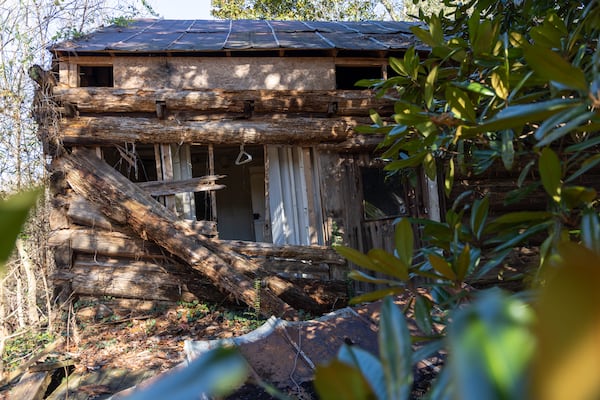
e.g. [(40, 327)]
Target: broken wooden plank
[(272, 130), (31, 386), (81, 212), (348, 102), (163, 188), (110, 191)]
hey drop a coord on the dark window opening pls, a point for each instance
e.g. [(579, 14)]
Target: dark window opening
[(346, 77), (94, 76), (136, 162), (383, 195)]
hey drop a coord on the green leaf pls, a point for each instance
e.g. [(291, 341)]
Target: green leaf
[(576, 196), (429, 166), (590, 230), (375, 117), (356, 257), (460, 103), (516, 116), (550, 173), (499, 85), (216, 373), (550, 32), (398, 66), (568, 127), (585, 166), (552, 67), (423, 314), (449, 178), (376, 295), (404, 241), (479, 215), (524, 173), (492, 344), (507, 149), (363, 277), (441, 266), (568, 327), (558, 119), (395, 350), (424, 36), (516, 239), (475, 87), (518, 217), (411, 162), (13, 213), (430, 87), (338, 380), (462, 263), (368, 365), (437, 32), (391, 265)]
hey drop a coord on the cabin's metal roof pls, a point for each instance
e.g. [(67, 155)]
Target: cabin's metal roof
[(162, 35)]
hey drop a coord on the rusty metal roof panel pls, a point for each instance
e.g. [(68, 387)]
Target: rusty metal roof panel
[(152, 35)]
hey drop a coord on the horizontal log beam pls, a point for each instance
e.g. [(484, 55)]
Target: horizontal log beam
[(338, 102), (110, 130), (313, 254), (93, 241)]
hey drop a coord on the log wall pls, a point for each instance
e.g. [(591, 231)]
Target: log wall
[(102, 255)]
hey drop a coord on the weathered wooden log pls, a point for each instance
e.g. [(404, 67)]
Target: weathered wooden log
[(298, 130), (164, 280), (165, 188), (110, 191), (314, 254), (346, 102), (140, 280), (93, 241)]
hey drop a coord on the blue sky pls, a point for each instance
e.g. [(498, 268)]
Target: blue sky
[(182, 9)]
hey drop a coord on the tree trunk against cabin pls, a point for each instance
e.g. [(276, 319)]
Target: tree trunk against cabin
[(111, 192)]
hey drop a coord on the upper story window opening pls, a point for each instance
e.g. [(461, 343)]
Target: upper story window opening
[(96, 76), (347, 76)]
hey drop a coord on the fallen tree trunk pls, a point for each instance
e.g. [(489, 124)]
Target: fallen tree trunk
[(111, 192)]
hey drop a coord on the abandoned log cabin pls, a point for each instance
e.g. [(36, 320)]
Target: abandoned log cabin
[(209, 158)]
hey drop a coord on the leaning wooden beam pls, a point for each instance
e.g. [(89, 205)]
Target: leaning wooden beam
[(165, 188), (110, 191), (340, 102), (297, 130)]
